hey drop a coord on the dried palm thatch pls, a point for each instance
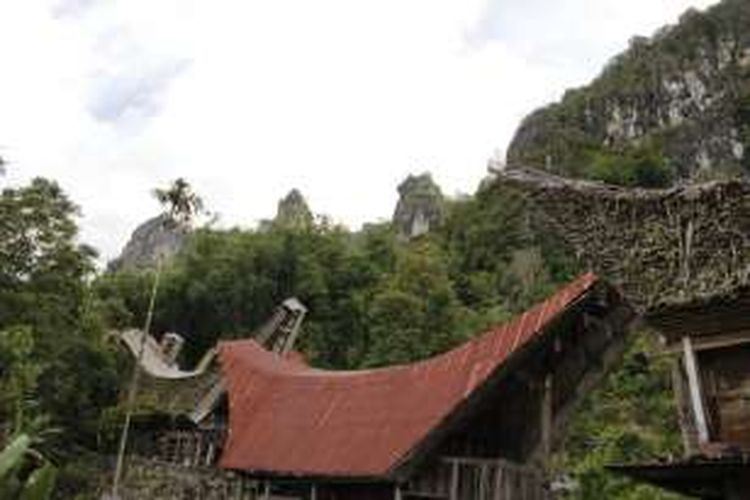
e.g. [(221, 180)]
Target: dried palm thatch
[(665, 248)]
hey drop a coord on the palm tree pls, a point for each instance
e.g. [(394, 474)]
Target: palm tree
[(179, 202)]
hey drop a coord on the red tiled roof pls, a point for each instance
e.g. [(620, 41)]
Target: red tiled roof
[(289, 419)]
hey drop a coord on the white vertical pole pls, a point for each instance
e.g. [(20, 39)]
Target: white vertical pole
[(397, 493), (694, 384)]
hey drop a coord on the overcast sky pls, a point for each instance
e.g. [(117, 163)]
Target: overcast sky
[(249, 98)]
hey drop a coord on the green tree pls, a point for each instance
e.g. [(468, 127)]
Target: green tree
[(180, 202), (415, 312), (630, 419), (48, 324)]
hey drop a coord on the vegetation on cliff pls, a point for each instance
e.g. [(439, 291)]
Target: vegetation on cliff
[(673, 106)]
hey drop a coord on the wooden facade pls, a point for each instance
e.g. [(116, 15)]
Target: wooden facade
[(712, 378), (711, 341), (499, 450)]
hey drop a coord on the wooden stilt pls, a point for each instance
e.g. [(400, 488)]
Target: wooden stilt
[(454, 481), (546, 423), (696, 393)]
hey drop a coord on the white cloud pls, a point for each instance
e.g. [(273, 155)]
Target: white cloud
[(341, 99)]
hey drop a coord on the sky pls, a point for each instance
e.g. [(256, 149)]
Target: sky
[(247, 99)]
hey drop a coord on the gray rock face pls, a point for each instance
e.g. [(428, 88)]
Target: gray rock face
[(156, 238), (420, 206), (293, 212), (684, 93)]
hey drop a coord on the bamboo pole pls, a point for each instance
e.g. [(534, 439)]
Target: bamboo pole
[(133, 389)]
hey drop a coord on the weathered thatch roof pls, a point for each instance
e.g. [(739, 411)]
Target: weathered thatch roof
[(665, 248), (165, 389)]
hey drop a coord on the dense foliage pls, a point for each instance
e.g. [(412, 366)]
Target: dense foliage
[(374, 300), (629, 419), (672, 103), (49, 327)]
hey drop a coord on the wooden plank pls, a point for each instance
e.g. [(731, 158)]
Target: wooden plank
[(454, 480), (687, 427), (499, 462), (709, 342), (546, 420), (499, 475), (397, 493), (694, 386), (483, 479), (726, 388), (267, 490)]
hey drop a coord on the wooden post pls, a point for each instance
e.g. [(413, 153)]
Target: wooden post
[(198, 448), (397, 493), (497, 494), (546, 423), (482, 493), (696, 394), (454, 480), (313, 492), (682, 402)]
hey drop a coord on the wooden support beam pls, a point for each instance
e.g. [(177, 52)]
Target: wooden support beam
[(546, 420), (483, 479), (454, 480), (397, 493), (682, 403), (499, 477), (294, 333), (708, 342), (267, 490), (694, 386)]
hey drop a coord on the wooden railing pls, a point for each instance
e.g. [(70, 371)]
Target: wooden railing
[(189, 447), (461, 478)]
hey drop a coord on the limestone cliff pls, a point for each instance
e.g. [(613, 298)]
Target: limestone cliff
[(420, 206), (292, 212), (673, 107), (157, 237)]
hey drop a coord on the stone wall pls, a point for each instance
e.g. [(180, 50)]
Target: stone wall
[(153, 480)]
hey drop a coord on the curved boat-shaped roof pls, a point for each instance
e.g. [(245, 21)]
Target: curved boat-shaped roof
[(286, 418)]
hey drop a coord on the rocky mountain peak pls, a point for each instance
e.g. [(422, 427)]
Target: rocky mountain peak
[(293, 212), (158, 237), (420, 206)]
